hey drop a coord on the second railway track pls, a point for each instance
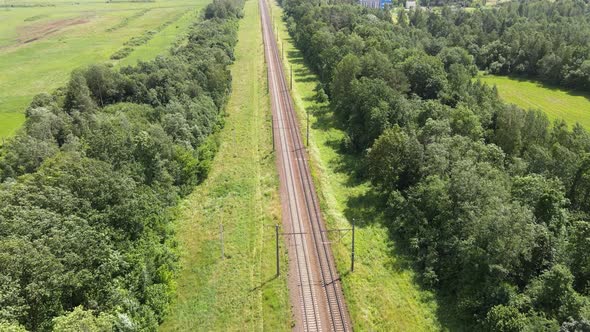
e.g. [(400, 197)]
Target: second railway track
[(316, 292)]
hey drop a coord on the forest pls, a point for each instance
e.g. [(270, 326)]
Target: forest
[(88, 185), (547, 41), (490, 201)]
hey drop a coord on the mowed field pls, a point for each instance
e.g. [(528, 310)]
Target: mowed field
[(42, 41), (556, 103)]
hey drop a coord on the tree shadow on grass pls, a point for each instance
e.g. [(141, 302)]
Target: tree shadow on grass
[(324, 120), (552, 87), (305, 79), (264, 283), (345, 163), (302, 73), (308, 99), (365, 208), (544, 85), (295, 57), (369, 208)]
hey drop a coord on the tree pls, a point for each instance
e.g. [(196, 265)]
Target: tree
[(77, 98), (508, 132), (103, 84), (42, 100), (457, 55), (395, 159), (579, 249), (24, 154), (83, 320), (535, 131), (344, 74), (7, 327), (320, 94), (572, 325), (546, 198), (464, 122), (579, 192), (402, 18), (426, 76), (553, 293), (503, 318), (12, 305), (550, 68)]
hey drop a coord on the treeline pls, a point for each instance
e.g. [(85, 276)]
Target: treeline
[(491, 201), (545, 40), (87, 185)]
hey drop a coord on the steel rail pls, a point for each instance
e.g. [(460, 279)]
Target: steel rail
[(336, 308), (310, 311)]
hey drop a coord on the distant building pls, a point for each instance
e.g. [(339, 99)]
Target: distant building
[(382, 3), (370, 3), (411, 4), (375, 3)]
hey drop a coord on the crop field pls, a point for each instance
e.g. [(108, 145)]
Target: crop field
[(42, 41), (556, 103)]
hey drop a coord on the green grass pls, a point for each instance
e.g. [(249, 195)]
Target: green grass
[(162, 40), (44, 64), (239, 293), (381, 293), (9, 123), (556, 103)]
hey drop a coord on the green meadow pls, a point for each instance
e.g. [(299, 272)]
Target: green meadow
[(41, 42), (556, 103)]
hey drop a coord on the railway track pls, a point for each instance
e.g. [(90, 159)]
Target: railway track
[(316, 292)]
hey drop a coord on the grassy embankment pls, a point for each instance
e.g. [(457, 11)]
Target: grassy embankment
[(239, 293), (381, 293), (39, 46), (556, 103)]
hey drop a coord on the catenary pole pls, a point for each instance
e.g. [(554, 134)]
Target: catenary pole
[(272, 126), (221, 240), (308, 127), (352, 251), (277, 247)]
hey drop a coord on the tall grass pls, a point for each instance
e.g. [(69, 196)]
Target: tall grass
[(239, 292)]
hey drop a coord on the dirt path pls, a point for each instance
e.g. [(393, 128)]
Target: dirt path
[(34, 32)]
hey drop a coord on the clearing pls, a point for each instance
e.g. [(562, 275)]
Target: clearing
[(556, 103), (240, 292)]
